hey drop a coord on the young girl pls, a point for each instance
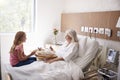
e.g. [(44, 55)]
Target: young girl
[(17, 56)]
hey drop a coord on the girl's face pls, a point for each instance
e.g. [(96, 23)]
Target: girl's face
[(24, 38), (68, 38)]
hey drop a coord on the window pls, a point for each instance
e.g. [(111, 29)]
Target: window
[(16, 15)]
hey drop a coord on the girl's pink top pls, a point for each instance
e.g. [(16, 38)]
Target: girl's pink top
[(14, 56)]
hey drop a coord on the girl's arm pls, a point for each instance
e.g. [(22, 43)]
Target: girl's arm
[(23, 57)]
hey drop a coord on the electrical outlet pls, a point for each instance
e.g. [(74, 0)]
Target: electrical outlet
[(118, 33), (108, 32), (82, 28), (86, 29), (95, 30), (91, 29), (101, 30)]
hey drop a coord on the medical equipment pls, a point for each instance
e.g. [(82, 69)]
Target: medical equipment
[(112, 59)]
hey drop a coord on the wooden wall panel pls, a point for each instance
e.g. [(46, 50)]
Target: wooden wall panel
[(106, 19)]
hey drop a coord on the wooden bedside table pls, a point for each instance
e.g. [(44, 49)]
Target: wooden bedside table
[(54, 46)]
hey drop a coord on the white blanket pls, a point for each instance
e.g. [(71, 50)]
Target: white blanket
[(39, 70), (59, 70)]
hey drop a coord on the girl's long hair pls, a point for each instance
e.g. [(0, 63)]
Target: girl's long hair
[(17, 40)]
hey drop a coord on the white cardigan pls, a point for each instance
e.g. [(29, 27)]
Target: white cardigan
[(69, 52)]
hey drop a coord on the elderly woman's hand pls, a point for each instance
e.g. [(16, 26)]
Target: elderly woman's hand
[(50, 61), (55, 59)]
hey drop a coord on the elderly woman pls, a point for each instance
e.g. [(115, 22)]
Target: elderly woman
[(69, 50)]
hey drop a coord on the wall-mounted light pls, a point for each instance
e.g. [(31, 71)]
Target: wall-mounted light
[(118, 23), (118, 26)]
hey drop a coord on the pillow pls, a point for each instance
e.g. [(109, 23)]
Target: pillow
[(92, 47), (82, 45)]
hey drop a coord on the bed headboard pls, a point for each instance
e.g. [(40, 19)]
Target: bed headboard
[(107, 19)]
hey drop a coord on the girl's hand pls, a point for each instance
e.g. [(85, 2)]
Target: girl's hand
[(33, 52), (36, 55)]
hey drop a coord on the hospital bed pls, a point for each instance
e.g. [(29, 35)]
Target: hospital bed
[(59, 70)]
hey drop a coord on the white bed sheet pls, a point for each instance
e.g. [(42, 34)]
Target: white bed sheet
[(39, 70)]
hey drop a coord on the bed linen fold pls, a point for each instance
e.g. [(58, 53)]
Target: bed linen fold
[(39, 70)]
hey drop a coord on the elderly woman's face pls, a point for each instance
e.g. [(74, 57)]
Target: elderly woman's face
[(68, 38)]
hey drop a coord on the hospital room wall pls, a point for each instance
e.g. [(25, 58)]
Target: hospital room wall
[(48, 14), (91, 6), (74, 6), (48, 17), (77, 6)]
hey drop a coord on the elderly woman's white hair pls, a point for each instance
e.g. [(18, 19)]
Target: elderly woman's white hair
[(72, 33)]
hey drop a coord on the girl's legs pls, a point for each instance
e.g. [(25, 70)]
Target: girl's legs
[(32, 58), (28, 61)]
